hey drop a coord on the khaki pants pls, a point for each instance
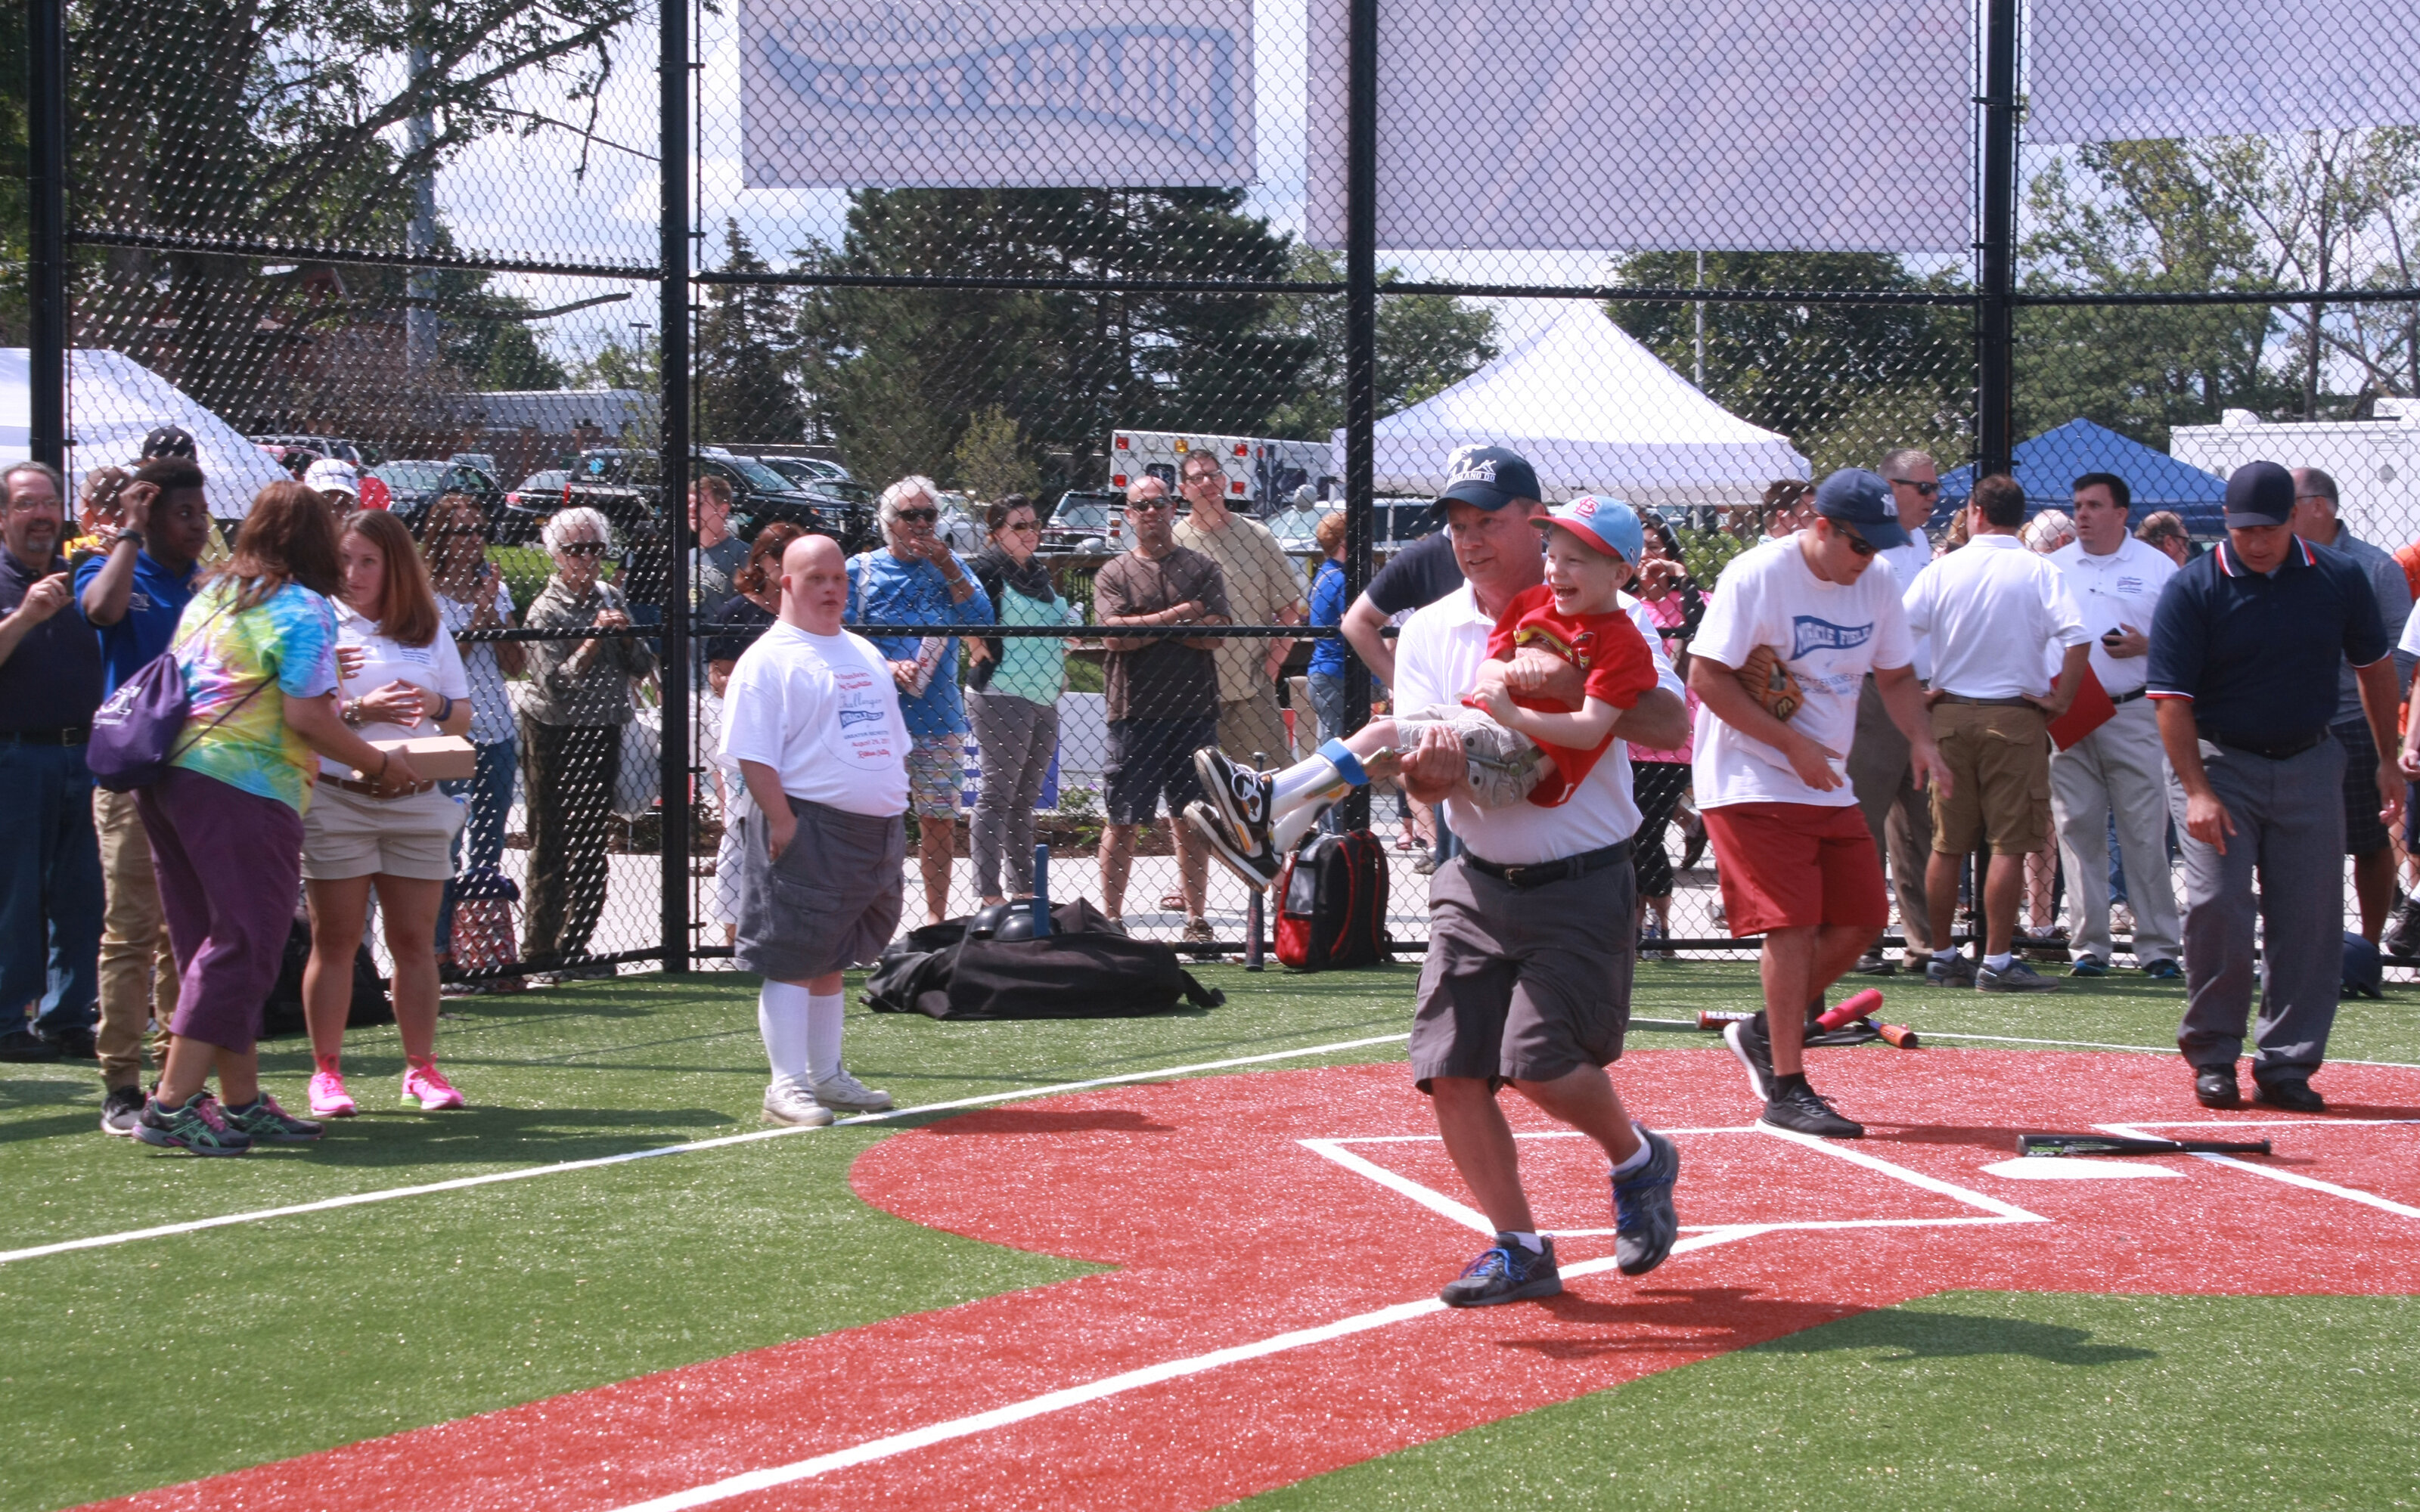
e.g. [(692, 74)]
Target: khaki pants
[(138, 971)]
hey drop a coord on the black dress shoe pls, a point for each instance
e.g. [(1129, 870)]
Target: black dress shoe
[(75, 1044), (2292, 1093), (25, 1045), (2214, 1087)]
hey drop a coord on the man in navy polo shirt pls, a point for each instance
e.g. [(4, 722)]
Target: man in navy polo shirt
[(133, 596), (2244, 650), (49, 871)]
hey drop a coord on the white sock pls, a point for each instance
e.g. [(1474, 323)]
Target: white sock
[(823, 1034), (1529, 1242), (1638, 1157), (1295, 826), (2000, 961), (781, 1019)]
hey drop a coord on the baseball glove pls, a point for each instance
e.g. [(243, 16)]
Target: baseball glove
[(1768, 681)]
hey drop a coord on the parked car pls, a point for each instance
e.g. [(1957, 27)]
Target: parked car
[(1296, 530), (808, 468), (628, 485), (335, 446), (539, 495), (414, 485), (1084, 520)]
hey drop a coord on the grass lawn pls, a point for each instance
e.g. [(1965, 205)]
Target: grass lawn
[(128, 1368)]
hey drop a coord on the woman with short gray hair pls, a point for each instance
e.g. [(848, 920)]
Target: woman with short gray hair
[(578, 700)]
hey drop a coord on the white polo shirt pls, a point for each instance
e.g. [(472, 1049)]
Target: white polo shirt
[(1437, 661), (1990, 606), (823, 711), (1906, 563), (2112, 591)]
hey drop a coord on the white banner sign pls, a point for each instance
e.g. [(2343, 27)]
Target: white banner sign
[(1640, 124), (1013, 94), (2122, 70)]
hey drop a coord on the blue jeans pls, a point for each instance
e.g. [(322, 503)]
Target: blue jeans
[(50, 888), (489, 791)]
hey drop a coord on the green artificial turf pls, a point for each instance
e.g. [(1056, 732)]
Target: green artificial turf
[(1968, 1400), (128, 1368)]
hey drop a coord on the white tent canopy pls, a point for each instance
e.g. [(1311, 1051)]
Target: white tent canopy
[(1592, 410), (113, 403)]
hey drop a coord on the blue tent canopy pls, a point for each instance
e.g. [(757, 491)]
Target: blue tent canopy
[(2048, 463)]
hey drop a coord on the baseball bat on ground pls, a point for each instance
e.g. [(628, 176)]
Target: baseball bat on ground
[(1714, 1018), (1900, 1035), (1851, 1009), (2102, 1144)]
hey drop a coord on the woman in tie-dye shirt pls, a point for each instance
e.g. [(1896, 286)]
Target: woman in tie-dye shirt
[(257, 650)]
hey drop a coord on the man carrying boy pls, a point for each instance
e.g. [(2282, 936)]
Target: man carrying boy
[(1532, 929), (1806, 617)]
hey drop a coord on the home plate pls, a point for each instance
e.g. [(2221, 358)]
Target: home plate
[(2073, 1168)]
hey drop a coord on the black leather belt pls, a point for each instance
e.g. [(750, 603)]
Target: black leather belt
[(73, 735), (2128, 698), (1540, 873), (2276, 751), (1988, 704)]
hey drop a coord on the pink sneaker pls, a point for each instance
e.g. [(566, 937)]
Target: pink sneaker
[(435, 1093), (328, 1098)]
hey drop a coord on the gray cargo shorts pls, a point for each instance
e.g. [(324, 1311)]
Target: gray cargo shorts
[(832, 901), (1505, 764), (1524, 984)]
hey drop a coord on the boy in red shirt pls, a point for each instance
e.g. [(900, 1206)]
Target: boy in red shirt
[(1520, 747)]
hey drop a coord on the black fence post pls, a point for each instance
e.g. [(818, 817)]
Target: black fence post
[(673, 398), (1360, 345), (46, 141), (1995, 349)]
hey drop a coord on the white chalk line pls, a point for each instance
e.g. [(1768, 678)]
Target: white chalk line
[(1059, 1401), (2138, 1049), (2308, 1184), (354, 1199)]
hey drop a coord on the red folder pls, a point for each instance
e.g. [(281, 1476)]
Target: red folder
[(2089, 712)]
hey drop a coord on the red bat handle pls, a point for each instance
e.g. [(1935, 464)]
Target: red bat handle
[(1855, 1007)]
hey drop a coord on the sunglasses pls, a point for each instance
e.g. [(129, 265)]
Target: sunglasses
[(582, 548), (1149, 507), (1858, 544), (1923, 490), (922, 516), (1025, 527)]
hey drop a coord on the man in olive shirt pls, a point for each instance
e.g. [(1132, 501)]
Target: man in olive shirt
[(1163, 694), (1264, 586)]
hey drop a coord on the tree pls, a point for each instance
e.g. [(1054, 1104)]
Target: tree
[(897, 372), (989, 462), (744, 356), (1844, 381), (1425, 344)]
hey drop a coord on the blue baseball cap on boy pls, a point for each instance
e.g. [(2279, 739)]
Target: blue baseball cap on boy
[(1862, 502), (1607, 524), (1486, 477)]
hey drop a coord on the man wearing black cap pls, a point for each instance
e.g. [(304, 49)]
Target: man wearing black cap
[(2244, 652), (168, 441), (1798, 865), (1533, 930)]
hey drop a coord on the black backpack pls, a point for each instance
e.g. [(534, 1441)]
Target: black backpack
[(1082, 969), (1332, 903), (281, 1015)]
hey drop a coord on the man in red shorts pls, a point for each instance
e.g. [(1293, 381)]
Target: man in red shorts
[(1798, 864)]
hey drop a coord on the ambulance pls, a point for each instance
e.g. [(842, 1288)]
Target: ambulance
[(1263, 474)]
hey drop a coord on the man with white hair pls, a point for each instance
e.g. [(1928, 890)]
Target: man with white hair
[(814, 722), (917, 580)]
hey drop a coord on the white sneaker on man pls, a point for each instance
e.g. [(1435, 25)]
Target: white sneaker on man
[(847, 1094), (786, 1101)]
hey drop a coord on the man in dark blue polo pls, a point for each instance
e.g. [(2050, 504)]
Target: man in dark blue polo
[(2244, 652)]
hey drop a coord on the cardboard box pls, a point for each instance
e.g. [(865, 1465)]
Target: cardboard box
[(435, 758)]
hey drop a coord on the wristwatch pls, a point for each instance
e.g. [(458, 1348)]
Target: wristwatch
[(130, 533)]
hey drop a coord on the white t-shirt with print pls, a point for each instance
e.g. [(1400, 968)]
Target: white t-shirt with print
[(1830, 635), (491, 702), (436, 666), (823, 711)]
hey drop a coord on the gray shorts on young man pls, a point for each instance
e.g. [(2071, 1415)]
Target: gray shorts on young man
[(832, 901), (1504, 764), (1524, 984)]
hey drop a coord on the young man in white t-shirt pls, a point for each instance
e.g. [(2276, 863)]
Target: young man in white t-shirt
[(1798, 865), (812, 718)]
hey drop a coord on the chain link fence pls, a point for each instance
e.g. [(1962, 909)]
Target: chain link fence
[(580, 256)]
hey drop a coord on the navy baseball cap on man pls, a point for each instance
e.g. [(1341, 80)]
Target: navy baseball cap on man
[(1486, 477), (167, 441), (1861, 502), (2257, 494)]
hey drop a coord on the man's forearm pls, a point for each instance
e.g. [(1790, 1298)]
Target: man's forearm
[(1718, 691), (2180, 739), (1903, 701), (2380, 697), (1659, 721), (764, 787), (105, 597), (13, 630), (1361, 627)]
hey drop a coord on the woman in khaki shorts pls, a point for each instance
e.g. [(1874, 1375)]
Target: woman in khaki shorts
[(403, 679)]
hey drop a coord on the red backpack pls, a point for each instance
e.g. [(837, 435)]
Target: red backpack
[(1332, 903)]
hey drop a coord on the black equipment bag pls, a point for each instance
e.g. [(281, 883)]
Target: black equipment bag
[(1332, 903), (959, 969), (283, 1013)]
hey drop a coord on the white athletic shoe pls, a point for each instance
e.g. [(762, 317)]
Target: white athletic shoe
[(786, 1101), (846, 1093)]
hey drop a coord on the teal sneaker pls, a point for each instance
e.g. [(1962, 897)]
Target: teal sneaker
[(1505, 1272), (199, 1126), (2089, 965), (266, 1123)]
